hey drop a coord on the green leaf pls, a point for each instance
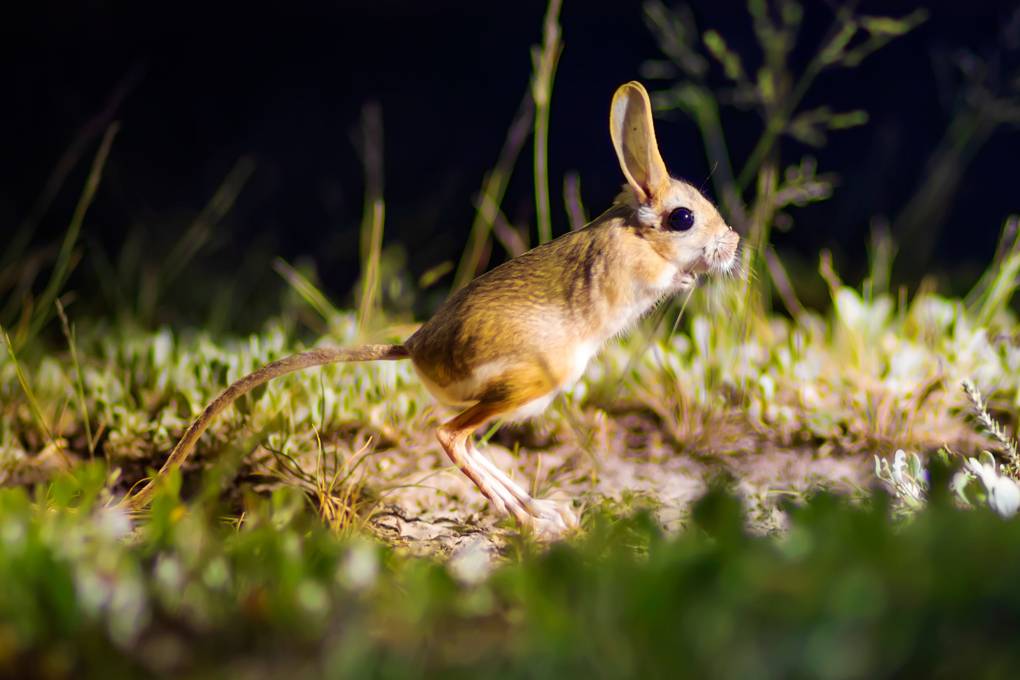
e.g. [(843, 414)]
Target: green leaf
[(724, 55), (848, 119), (889, 26), (833, 51)]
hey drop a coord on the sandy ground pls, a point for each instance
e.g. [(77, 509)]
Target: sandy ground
[(426, 506)]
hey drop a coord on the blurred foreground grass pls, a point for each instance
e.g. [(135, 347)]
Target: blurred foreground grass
[(844, 593)]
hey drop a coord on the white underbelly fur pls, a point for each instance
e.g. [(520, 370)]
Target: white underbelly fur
[(578, 363), (457, 394)]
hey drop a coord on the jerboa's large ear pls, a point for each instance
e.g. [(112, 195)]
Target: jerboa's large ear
[(633, 133)]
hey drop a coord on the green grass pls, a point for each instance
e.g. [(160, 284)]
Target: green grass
[(845, 593)]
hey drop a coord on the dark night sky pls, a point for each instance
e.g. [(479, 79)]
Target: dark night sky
[(285, 83)]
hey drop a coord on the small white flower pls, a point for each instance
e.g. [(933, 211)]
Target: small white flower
[(114, 522), (1003, 492), (899, 467), (471, 562), (360, 566), (983, 471), (1004, 497)]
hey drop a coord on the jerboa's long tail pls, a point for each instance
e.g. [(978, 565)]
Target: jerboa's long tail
[(295, 362)]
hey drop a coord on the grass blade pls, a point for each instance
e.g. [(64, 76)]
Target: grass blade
[(370, 147), (307, 290), (65, 164), (33, 403), (63, 266), (493, 189), (79, 383), (198, 232), (576, 213), (370, 274), (544, 72)]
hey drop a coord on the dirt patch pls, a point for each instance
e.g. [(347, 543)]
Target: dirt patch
[(429, 507)]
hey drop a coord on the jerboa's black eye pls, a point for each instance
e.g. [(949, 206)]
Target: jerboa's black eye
[(681, 219)]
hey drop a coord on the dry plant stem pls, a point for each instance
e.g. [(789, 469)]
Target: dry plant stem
[(368, 142), (572, 200), (970, 129), (881, 253), (755, 300), (331, 491), (755, 297), (33, 403), (306, 289), (993, 427), (79, 384), (764, 210), (199, 231), (707, 120), (512, 239), (1007, 247), (783, 284), (545, 61), (338, 511), (993, 292), (371, 147), (493, 189), (370, 280), (16, 280)]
